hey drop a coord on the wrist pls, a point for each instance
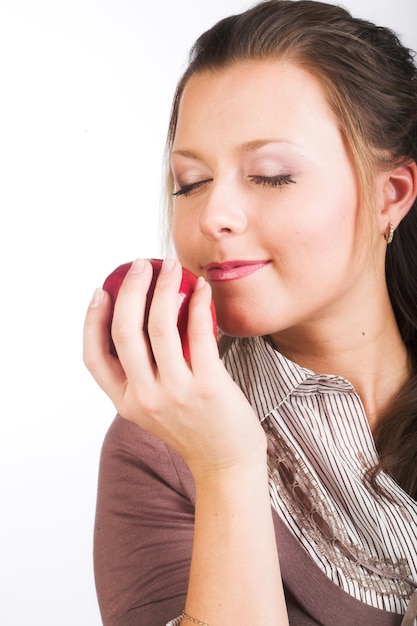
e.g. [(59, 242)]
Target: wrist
[(214, 476)]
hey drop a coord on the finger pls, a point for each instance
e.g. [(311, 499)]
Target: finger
[(203, 343), (104, 367), (162, 323), (127, 327)]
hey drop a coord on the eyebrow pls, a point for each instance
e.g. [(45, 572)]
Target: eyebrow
[(256, 144), (247, 146), (189, 154)]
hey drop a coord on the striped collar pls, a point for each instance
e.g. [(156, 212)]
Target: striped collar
[(319, 446), (269, 378)]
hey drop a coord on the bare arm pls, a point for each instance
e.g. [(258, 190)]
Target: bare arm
[(235, 575), (198, 410)]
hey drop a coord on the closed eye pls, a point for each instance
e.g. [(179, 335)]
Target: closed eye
[(272, 181), (188, 190)]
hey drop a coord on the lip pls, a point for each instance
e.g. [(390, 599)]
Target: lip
[(233, 270)]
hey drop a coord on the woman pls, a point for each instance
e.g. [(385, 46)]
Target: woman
[(292, 149)]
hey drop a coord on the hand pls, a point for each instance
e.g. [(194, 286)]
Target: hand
[(194, 406)]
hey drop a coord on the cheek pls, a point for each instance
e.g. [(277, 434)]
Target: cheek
[(182, 237), (334, 219), (177, 231), (310, 247)]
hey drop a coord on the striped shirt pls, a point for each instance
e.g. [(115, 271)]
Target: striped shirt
[(319, 449)]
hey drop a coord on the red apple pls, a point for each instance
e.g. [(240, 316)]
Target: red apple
[(114, 280)]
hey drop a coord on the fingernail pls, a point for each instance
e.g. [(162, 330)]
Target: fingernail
[(137, 266), (168, 264), (201, 281), (97, 298)]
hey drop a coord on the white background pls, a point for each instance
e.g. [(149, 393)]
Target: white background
[(85, 94)]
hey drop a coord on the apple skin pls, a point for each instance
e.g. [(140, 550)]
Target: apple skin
[(114, 281)]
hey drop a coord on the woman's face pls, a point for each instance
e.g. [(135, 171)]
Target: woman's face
[(266, 204)]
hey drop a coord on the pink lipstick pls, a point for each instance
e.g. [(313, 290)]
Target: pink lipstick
[(232, 270)]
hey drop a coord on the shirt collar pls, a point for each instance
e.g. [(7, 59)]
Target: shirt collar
[(268, 378)]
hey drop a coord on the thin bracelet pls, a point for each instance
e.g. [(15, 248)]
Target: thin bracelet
[(192, 619)]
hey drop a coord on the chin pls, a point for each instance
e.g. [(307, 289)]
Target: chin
[(239, 328)]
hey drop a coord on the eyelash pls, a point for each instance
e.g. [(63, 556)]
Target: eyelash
[(187, 190), (272, 181), (266, 181)]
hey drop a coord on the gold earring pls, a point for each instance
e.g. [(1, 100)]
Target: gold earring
[(389, 236)]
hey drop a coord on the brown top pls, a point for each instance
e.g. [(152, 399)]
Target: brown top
[(143, 541)]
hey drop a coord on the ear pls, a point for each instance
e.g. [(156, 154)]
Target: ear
[(399, 193)]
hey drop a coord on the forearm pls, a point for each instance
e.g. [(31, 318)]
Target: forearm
[(235, 575), (197, 410)]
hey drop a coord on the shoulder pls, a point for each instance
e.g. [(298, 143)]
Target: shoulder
[(131, 455)]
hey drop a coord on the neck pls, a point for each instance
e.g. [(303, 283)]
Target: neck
[(372, 356)]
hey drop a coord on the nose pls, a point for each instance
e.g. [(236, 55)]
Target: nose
[(223, 213)]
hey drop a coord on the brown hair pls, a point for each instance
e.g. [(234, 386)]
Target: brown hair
[(370, 82)]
